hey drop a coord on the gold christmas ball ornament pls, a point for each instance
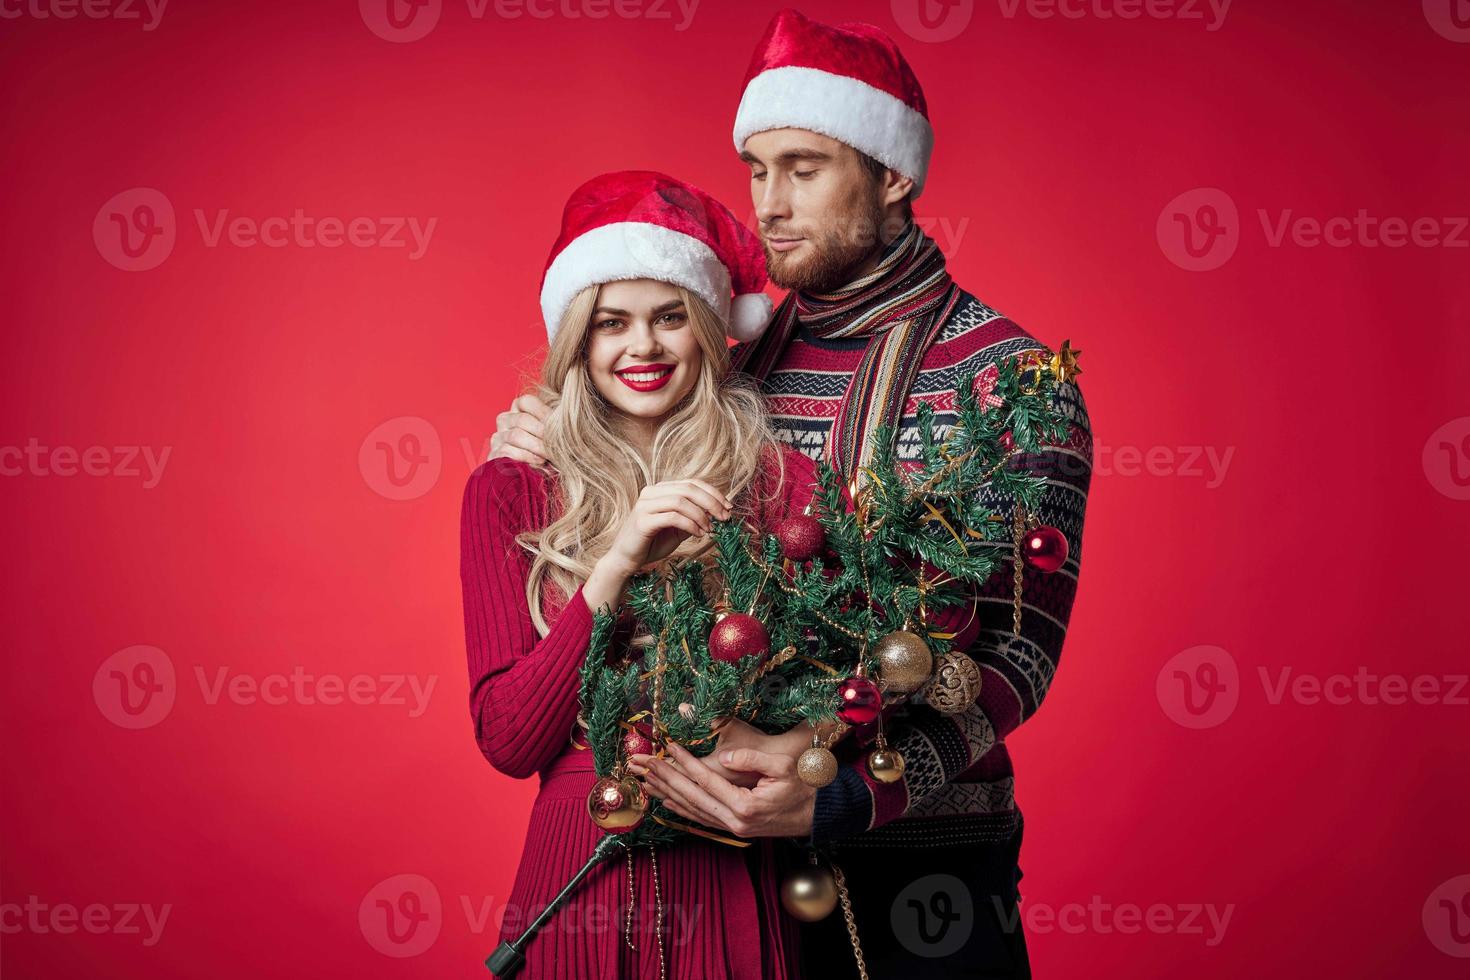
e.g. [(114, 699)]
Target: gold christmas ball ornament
[(809, 894), (904, 662), (956, 684), (816, 767), (886, 765), (617, 805)]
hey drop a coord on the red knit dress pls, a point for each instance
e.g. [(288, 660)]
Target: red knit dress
[(721, 906)]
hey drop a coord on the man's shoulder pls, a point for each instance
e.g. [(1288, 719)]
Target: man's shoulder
[(976, 334)]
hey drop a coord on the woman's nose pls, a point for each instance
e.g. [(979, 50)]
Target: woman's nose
[(643, 341)]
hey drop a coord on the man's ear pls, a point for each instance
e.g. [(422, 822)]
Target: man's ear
[(896, 187)]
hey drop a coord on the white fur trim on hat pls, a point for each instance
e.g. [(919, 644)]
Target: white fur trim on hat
[(844, 108), (633, 250), (750, 313)]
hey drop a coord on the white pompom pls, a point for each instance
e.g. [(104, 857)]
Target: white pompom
[(749, 315)]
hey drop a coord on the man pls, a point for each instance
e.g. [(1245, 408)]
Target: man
[(834, 127)]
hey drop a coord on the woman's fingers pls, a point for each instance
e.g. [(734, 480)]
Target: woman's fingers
[(725, 501), (675, 505)]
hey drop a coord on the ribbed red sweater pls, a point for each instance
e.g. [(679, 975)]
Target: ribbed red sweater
[(523, 699)]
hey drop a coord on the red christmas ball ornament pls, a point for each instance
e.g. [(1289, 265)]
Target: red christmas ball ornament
[(738, 635), (1044, 548), (638, 742), (801, 537), (860, 701)]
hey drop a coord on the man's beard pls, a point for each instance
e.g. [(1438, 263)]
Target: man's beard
[(834, 252)]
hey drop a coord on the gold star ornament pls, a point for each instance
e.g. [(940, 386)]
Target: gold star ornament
[(1063, 363)]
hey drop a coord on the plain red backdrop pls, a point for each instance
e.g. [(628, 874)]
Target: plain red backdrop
[(1334, 541)]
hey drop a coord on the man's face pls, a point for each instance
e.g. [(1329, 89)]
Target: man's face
[(819, 208)]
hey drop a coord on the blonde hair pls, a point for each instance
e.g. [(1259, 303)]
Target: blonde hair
[(718, 433)]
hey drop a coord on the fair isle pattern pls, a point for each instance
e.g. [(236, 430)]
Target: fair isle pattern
[(942, 752)]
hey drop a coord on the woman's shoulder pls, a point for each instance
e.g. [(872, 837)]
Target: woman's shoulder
[(790, 464), (513, 488)]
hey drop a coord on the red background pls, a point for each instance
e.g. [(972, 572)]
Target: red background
[(266, 544)]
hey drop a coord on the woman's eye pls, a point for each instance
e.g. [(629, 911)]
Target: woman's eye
[(674, 319), (608, 324)]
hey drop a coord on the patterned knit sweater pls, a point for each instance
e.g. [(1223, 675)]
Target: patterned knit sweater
[(958, 785)]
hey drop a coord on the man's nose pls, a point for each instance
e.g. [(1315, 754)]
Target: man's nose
[(772, 202)]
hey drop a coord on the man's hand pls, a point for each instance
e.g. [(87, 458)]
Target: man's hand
[(518, 432), (779, 805)]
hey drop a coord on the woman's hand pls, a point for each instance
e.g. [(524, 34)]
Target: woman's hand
[(736, 734), (664, 515)]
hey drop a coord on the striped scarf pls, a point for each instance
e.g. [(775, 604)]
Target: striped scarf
[(901, 305)]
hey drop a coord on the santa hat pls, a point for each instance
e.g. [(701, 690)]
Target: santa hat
[(848, 82), (638, 224)]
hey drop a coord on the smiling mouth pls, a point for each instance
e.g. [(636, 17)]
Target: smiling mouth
[(646, 378)]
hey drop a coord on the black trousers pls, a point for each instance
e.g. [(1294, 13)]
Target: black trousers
[(944, 912)]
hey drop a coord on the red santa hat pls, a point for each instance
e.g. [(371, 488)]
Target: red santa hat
[(638, 224), (849, 82)]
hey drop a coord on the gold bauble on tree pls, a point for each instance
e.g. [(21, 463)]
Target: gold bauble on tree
[(809, 894), (904, 662), (816, 767), (956, 684), (617, 805), (885, 764)]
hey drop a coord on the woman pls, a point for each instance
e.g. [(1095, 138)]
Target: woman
[(651, 440)]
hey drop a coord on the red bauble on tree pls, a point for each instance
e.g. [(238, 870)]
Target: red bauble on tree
[(738, 635), (639, 741), (1044, 548), (801, 537), (860, 701)]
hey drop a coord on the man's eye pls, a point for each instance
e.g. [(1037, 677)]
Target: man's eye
[(805, 173), (759, 176)]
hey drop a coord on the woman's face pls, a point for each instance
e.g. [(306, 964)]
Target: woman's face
[(642, 355)]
